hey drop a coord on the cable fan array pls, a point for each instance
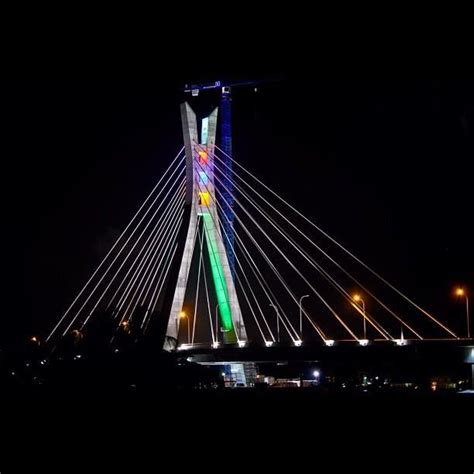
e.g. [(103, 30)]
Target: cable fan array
[(129, 282), (281, 257), (280, 254)]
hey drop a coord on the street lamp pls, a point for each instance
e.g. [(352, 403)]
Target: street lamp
[(358, 299), (183, 315), (278, 321), (462, 292), (217, 323), (301, 315)]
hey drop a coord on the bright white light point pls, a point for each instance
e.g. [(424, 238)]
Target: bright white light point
[(223, 374), (329, 342), (363, 342), (269, 343), (316, 374), (400, 342), (215, 345), (298, 342), (241, 343)]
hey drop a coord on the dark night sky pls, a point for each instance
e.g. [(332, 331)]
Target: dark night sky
[(385, 166)]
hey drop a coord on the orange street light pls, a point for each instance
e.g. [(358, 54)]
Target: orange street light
[(358, 299), (462, 292), (183, 315)]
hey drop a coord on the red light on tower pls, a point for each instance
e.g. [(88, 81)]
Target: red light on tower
[(203, 158)]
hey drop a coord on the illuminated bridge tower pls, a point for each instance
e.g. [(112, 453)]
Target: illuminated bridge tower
[(201, 199)]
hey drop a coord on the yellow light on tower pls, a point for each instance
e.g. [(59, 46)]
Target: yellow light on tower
[(182, 315), (356, 297), (459, 292)]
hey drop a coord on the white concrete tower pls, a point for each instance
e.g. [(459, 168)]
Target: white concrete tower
[(201, 199)]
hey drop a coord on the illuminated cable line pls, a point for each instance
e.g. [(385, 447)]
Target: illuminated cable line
[(158, 265), (112, 279), (343, 248), (219, 228), (161, 241), (318, 267), (148, 314), (315, 265), (333, 312), (275, 300), (114, 245), (155, 245), (166, 263), (117, 256), (214, 339), (196, 300), (145, 247), (265, 287), (175, 227), (326, 274), (331, 259), (272, 299), (216, 263), (253, 294)]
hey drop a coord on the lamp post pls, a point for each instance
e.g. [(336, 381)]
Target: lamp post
[(301, 315), (463, 292), (183, 315), (217, 323), (358, 299), (278, 321)]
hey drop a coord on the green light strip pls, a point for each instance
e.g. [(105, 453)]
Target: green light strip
[(218, 274)]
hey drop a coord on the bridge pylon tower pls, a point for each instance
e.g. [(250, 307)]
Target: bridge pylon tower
[(201, 199)]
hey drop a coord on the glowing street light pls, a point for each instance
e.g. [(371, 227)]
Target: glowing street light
[(125, 325), (358, 299), (462, 292), (183, 315)]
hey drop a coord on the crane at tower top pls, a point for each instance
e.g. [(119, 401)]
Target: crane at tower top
[(225, 86), (226, 147)]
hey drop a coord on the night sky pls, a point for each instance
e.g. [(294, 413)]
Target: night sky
[(384, 166)]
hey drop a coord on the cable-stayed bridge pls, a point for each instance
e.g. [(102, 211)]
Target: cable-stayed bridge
[(201, 270)]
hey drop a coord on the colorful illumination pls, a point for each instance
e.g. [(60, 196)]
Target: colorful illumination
[(218, 275), (203, 157), (204, 130), (203, 178), (204, 199)]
